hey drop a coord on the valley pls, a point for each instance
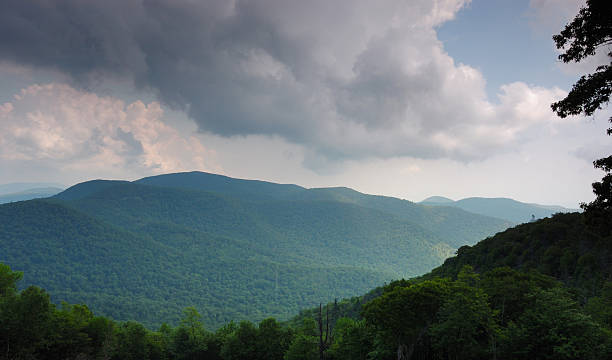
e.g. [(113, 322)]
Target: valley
[(235, 249)]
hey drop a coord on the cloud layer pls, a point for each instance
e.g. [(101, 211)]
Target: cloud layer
[(346, 79), (78, 130)]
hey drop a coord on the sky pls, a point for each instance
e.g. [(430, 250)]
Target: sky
[(401, 98)]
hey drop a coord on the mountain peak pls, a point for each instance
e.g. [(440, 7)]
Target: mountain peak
[(84, 189), (197, 180), (437, 200)]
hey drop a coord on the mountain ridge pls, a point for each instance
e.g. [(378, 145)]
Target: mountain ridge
[(499, 207), (236, 249)]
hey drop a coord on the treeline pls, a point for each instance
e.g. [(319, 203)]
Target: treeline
[(32, 327), (573, 248), (500, 314)]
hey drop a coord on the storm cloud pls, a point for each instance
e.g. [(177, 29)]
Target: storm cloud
[(347, 79)]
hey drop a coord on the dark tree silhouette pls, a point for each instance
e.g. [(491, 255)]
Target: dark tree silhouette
[(589, 32)]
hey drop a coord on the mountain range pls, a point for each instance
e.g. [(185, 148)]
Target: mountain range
[(26, 191), (28, 194), (502, 208), (235, 249)]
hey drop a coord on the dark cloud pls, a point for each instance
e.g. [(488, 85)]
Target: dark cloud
[(347, 79), (77, 37)]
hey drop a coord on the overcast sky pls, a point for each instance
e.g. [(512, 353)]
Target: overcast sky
[(407, 98)]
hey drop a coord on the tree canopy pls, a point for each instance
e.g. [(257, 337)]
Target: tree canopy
[(588, 33)]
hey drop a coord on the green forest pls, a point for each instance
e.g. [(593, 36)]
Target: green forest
[(235, 249), (512, 296)]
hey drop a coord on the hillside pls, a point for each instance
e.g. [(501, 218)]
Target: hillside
[(234, 249), (322, 232), (85, 260), (454, 226), (497, 311), (562, 246), (220, 184), (503, 208), (538, 290)]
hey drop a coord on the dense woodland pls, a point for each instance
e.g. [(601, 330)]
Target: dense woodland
[(235, 249), (522, 303)]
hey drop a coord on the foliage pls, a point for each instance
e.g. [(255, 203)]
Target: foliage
[(305, 344), (352, 340), (586, 34), (465, 327), (497, 312), (553, 327), (32, 327), (565, 247), (464, 321), (589, 32), (600, 307), (403, 315), (498, 299), (8, 280)]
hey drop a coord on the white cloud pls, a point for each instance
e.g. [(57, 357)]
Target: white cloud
[(552, 15), (6, 109), (75, 130)]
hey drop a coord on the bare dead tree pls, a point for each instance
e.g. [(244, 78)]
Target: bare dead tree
[(324, 342)]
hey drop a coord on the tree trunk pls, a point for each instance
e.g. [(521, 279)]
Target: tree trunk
[(323, 342), (401, 352)]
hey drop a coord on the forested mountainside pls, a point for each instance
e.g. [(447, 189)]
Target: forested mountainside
[(564, 247), (538, 290), (455, 226), (502, 208), (483, 312), (234, 249)]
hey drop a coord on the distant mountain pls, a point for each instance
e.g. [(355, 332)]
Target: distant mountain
[(21, 187), (455, 226), (29, 194), (502, 208), (197, 180), (235, 249), (87, 188), (437, 200)]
